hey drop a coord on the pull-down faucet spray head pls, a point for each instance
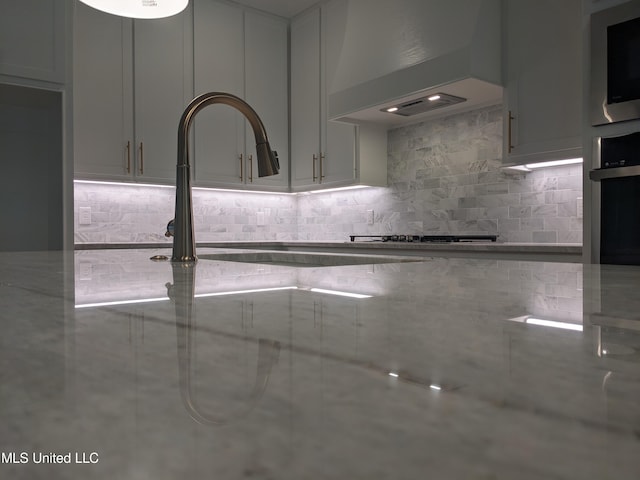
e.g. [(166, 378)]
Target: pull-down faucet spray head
[(184, 249)]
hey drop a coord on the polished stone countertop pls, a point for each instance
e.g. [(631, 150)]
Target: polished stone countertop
[(448, 368), (564, 252)]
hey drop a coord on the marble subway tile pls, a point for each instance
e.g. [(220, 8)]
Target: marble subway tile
[(544, 237)]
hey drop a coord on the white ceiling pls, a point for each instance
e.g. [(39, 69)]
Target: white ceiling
[(284, 8)]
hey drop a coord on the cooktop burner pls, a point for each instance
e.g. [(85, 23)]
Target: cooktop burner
[(427, 238)]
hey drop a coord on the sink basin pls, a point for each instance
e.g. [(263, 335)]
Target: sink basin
[(305, 259)]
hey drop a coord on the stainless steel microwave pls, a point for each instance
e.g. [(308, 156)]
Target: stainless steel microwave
[(615, 64)]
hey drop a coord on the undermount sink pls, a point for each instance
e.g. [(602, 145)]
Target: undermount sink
[(304, 259)]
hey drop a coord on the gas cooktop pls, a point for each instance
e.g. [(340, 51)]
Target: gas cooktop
[(427, 238)]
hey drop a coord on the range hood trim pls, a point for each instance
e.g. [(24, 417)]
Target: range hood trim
[(478, 94), (452, 74)]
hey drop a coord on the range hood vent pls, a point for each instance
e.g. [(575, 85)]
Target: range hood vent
[(424, 104), (383, 54)]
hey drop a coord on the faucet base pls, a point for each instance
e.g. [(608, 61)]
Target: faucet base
[(184, 259)]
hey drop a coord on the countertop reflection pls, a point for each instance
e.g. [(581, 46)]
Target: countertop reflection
[(454, 368)]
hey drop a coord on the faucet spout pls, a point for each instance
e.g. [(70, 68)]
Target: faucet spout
[(184, 249)]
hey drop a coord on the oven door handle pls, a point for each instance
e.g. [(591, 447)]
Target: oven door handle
[(617, 172)]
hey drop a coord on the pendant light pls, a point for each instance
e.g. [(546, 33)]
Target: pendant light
[(139, 8)]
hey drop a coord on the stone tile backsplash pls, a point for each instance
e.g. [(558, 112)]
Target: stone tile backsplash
[(139, 214), (444, 176)]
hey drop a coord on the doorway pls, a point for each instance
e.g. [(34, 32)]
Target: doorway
[(31, 163)]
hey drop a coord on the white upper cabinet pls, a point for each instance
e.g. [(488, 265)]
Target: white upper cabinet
[(267, 91), (305, 98), (32, 39), (132, 81), (218, 151), (163, 88), (103, 95), (326, 154), (543, 97), (243, 53)]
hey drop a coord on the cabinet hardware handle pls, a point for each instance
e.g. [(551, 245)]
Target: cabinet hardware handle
[(509, 135), (322, 175), (128, 156), (141, 158), (241, 167), (313, 167), (251, 168)]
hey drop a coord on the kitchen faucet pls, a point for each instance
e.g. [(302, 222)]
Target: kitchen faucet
[(184, 248)]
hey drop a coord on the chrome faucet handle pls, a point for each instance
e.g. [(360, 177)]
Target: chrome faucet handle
[(170, 229)]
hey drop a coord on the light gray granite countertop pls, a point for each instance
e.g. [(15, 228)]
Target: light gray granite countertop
[(448, 368)]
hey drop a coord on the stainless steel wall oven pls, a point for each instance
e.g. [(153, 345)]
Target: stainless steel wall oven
[(619, 178), (615, 64)]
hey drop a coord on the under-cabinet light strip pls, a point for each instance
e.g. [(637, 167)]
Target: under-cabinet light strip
[(337, 189), (236, 292), (122, 302), (123, 184), (341, 294), (550, 323), (552, 163), (211, 189)]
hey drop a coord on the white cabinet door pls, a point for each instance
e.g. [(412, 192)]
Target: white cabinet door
[(305, 99), (162, 91), (324, 153), (266, 74), (103, 95), (218, 63), (543, 104), (32, 39), (107, 144), (338, 157)]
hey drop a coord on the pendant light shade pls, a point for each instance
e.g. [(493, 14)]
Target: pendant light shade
[(139, 8)]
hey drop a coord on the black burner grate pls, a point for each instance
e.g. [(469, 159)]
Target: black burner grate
[(428, 238)]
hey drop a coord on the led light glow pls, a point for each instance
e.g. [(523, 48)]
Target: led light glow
[(123, 184), (139, 8), (244, 192), (554, 163), (435, 387), (204, 189), (393, 374), (341, 294), (520, 168), (160, 299), (554, 324), (122, 302), (337, 189), (392, 109), (236, 292), (433, 98)]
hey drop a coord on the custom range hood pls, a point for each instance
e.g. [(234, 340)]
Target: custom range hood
[(423, 58)]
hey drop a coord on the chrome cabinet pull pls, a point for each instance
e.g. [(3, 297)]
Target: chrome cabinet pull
[(251, 168), (322, 175), (241, 167), (128, 157), (509, 135), (141, 158), (313, 167)]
